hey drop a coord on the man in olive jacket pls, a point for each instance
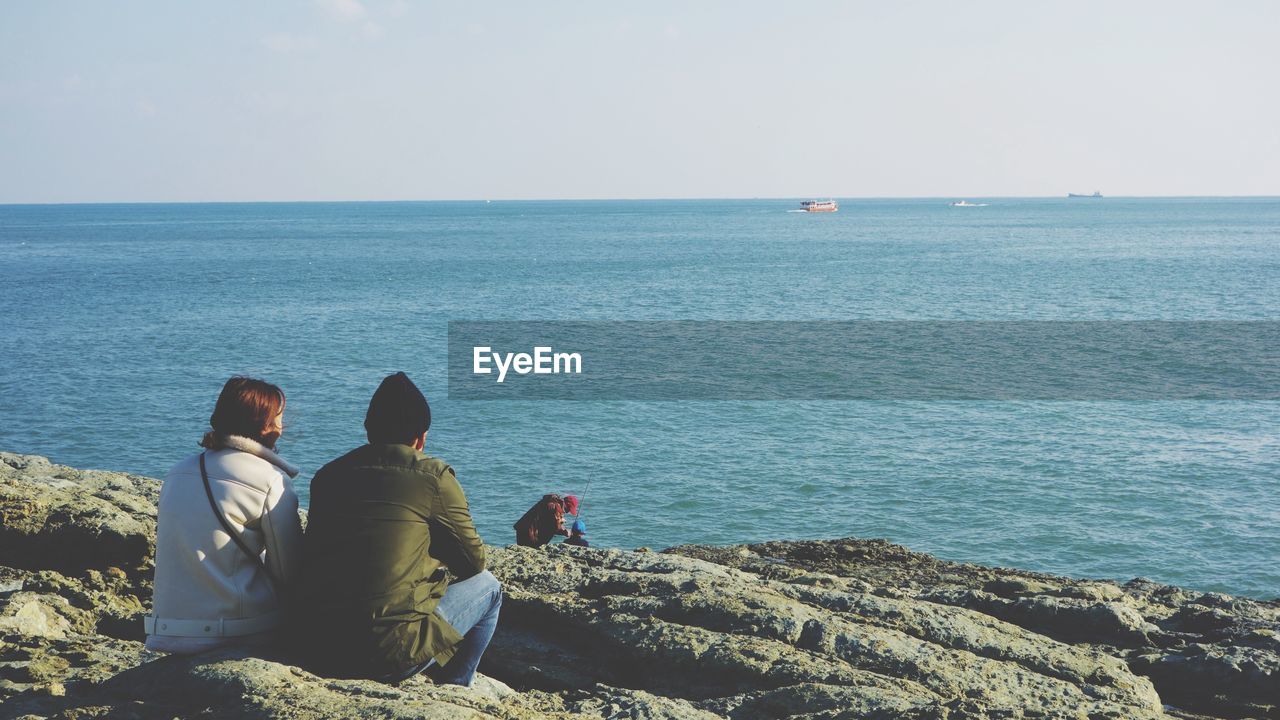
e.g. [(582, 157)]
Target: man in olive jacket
[(386, 521)]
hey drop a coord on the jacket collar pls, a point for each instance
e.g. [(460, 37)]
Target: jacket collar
[(394, 453), (253, 447)]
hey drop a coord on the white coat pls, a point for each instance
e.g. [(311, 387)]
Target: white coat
[(208, 592)]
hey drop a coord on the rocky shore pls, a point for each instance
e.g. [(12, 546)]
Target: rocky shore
[(823, 629)]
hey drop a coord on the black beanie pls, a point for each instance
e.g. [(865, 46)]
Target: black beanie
[(398, 413)]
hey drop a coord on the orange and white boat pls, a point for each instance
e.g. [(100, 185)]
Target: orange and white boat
[(819, 206)]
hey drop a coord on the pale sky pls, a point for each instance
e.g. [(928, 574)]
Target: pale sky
[(398, 100)]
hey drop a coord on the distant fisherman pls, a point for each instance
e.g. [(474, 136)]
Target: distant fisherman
[(545, 520)]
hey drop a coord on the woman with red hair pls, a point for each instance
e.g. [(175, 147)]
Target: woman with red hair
[(228, 530)]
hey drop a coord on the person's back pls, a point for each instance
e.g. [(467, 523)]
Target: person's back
[(369, 579), (386, 522), (209, 593)]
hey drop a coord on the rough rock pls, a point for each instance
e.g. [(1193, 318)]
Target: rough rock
[(822, 629), (1207, 654), (53, 517), (727, 639)]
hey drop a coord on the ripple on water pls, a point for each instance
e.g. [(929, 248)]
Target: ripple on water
[(122, 322)]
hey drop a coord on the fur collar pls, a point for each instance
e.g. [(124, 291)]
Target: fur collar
[(253, 447)]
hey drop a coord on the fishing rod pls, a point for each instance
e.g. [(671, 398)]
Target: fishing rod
[(582, 500)]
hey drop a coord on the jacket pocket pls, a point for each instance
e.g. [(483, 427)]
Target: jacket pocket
[(428, 592)]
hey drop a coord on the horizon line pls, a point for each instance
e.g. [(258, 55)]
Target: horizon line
[(1063, 196)]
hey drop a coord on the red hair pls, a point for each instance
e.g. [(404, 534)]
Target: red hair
[(246, 407)]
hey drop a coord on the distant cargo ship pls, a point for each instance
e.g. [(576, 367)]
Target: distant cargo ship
[(819, 206), (1095, 194)]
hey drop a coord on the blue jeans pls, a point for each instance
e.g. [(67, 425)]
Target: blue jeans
[(471, 607)]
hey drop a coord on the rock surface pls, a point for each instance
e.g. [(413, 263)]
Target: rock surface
[(1206, 653), (822, 629)]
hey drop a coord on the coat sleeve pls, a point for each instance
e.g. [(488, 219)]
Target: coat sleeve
[(454, 540), (282, 531)]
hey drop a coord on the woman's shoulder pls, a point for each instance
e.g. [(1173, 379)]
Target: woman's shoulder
[(186, 466), (244, 468)]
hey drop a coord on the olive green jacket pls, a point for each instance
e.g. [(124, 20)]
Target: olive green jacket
[(384, 524)]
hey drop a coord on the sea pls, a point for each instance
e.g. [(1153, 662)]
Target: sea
[(121, 322)]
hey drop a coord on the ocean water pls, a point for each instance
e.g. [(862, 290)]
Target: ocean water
[(120, 323)]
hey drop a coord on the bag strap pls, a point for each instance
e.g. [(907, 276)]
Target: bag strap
[(226, 526)]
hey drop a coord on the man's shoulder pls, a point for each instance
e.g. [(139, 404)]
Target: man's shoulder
[(433, 466), (396, 459), (343, 463)]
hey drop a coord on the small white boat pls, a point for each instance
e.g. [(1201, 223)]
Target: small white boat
[(819, 206), (966, 203)]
